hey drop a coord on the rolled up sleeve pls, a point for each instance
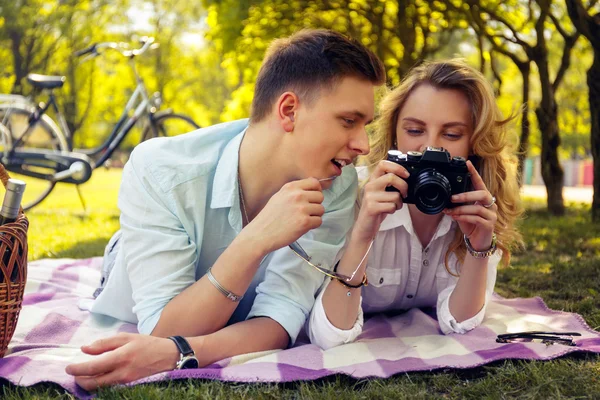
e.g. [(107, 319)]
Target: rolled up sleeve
[(158, 253), (448, 323), (323, 333), (288, 291)]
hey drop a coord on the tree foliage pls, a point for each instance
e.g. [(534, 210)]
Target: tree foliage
[(210, 53)]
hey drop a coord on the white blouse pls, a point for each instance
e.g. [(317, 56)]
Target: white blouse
[(402, 275)]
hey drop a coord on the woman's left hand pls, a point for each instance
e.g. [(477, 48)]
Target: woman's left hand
[(478, 218), (124, 358)]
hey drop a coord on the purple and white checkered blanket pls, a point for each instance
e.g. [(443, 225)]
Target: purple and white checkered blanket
[(52, 328)]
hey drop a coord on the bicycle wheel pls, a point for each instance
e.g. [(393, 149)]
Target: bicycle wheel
[(169, 125), (45, 136)]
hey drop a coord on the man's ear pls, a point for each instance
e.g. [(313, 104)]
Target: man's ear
[(287, 106)]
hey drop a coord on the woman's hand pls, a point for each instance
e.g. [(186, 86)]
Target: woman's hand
[(475, 220), (376, 202), (124, 358)]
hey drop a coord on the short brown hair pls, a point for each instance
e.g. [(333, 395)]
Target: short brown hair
[(308, 61)]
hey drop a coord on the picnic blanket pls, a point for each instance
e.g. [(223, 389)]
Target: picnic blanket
[(52, 328)]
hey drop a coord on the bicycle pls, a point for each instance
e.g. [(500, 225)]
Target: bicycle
[(37, 149)]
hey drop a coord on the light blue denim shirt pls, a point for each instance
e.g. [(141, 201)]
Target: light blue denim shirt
[(180, 210)]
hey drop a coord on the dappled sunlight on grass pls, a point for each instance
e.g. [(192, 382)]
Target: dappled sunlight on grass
[(60, 225), (592, 244), (560, 263)]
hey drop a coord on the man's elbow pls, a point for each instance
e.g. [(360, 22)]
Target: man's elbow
[(270, 333)]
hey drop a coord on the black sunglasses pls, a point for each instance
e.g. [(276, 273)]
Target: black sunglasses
[(548, 338)]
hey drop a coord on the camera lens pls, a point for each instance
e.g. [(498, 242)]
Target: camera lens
[(432, 191)]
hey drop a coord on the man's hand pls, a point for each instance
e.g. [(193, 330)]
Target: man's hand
[(124, 358), (294, 210)]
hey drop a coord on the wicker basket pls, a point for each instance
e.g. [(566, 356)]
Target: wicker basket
[(13, 271)]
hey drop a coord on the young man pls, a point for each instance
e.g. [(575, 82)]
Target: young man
[(206, 217)]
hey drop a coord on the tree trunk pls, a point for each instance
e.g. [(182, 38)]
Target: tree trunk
[(589, 26), (15, 40), (593, 77), (524, 142), (406, 22), (552, 171), (547, 115)]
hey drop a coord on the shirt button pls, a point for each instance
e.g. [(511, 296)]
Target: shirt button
[(427, 250), (425, 262), (380, 281), (410, 296)]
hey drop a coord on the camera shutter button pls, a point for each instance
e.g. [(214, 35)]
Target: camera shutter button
[(458, 160)]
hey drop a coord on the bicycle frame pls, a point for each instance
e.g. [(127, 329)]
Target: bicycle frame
[(41, 109), (142, 105), (63, 163), (139, 101)]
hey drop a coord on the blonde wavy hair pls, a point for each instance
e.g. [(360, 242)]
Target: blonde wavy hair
[(489, 141)]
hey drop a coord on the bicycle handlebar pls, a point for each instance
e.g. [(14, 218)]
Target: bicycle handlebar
[(147, 41), (83, 52)]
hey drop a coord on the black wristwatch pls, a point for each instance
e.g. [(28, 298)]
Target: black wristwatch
[(188, 358)]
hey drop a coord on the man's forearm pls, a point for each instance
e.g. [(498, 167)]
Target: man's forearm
[(201, 309), (468, 296), (257, 334)]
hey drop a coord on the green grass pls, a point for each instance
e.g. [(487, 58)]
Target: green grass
[(60, 227), (561, 264)]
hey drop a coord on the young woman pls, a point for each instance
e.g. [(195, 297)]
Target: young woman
[(412, 259)]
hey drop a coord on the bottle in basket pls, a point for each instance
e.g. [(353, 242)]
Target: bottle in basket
[(9, 213), (12, 201)]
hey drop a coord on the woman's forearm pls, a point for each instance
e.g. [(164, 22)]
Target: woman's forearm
[(341, 309), (468, 296)]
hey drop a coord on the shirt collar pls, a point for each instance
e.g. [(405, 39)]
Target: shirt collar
[(225, 191), (402, 218)]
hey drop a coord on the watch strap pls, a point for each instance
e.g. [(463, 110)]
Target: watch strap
[(182, 344)]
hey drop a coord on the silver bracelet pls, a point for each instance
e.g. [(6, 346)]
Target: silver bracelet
[(231, 296)]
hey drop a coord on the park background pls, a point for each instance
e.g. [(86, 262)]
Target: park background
[(538, 55), (542, 57)]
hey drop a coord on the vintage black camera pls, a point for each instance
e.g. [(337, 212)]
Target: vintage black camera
[(434, 177)]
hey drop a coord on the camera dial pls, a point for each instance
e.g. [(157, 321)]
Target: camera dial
[(414, 155), (396, 156)]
